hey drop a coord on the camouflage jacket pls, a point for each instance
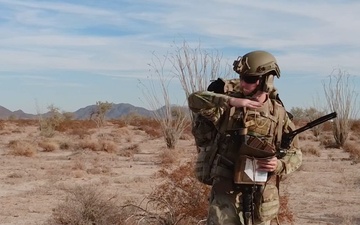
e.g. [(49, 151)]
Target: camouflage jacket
[(215, 107)]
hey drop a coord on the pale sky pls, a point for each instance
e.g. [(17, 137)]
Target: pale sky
[(74, 53)]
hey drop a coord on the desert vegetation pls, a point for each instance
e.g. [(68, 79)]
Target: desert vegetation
[(84, 186)]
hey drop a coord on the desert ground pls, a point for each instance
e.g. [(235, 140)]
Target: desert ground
[(124, 161)]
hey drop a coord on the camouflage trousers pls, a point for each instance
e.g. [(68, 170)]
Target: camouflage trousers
[(226, 205)]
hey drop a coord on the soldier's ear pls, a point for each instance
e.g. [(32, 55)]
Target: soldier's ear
[(217, 86)]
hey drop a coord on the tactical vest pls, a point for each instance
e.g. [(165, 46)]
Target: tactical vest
[(217, 148)]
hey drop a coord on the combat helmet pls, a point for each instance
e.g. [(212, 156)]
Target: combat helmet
[(260, 64)]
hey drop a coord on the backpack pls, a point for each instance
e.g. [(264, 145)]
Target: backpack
[(206, 134)]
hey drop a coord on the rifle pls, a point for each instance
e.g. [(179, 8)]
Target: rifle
[(287, 138)]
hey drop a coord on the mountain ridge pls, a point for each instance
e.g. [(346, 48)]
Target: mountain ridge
[(117, 110)]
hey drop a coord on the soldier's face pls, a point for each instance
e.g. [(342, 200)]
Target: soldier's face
[(248, 88)]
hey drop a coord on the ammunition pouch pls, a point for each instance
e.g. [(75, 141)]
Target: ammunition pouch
[(206, 168), (203, 165), (255, 147), (222, 167), (267, 203), (245, 171)]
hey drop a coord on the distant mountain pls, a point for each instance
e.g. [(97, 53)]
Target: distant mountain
[(115, 112), (5, 114), (20, 114)]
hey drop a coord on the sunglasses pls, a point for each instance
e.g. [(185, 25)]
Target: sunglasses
[(249, 79)]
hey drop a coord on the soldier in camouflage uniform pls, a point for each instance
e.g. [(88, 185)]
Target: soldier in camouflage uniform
[(249, 105)]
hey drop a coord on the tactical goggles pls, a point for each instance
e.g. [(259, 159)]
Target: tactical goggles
[(250, 79)]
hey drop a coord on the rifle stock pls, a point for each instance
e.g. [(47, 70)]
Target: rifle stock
[(287, 138)]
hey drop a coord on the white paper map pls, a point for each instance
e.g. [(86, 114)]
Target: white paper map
[(251, 170)]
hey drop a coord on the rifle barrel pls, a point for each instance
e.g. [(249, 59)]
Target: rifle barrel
[(315, 123)]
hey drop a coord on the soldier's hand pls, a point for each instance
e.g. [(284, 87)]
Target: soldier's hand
[(244, 102), (267, 165)]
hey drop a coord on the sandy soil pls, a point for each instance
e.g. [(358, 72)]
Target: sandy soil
[(324, 191)]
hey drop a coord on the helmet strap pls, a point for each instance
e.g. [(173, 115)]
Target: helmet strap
[(267, 83)]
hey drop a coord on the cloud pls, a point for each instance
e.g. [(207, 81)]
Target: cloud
[(116, 40), (288, 28)]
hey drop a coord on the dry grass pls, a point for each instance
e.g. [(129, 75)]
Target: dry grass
[(118, 123), (107, 146), (310, 149), (129, 151), (24, 122), (285, 215), (88, 205), (353, 148), (97, 145), (182, 195), (149, 125), (48, 146), (70, 125), (328, 141), (168, 157), (21, 148), (81, 133), (356, 126), (179, 199), (66, 144)]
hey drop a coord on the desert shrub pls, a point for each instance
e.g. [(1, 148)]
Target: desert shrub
[(2, 124), (172, 119), (131, 118), (98, 170), (17, 131), (81, 133), (129, 151), (152, 132), (285, 215), (328, 141), (341, 97), (107, 146), (328, 126), (78, 165), (302, 136), (118, 123), (24, 122), (12, 117), (182, 196), (71, 125), (66, 145), (167, 157), (98, 114), (88, 144), (49, 123), (149, 125), (48, 146), (21, 148), (356, 126), (68, 116), (98, 145), (312, 114), (85, 205), (353, 149), (311, 150)]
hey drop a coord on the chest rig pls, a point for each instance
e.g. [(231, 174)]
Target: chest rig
[(261, 129)]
